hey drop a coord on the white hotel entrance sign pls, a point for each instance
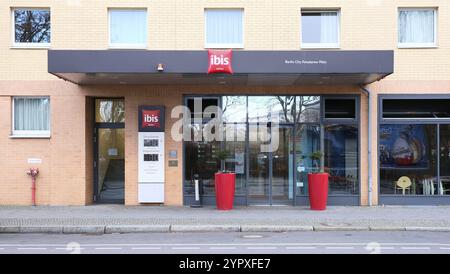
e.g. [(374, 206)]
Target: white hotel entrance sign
[(151, 154)]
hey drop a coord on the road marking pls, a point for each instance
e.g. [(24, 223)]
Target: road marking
[(300, 247), (262, 247), (32, 248), (67, 249), (252, 236), (339, 247), (146, 248), (415, 247), (445, 248), (108, 248), (386, 247), (222, 247), (185, 248)]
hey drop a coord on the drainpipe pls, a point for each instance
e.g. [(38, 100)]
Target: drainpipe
[(369, 144)]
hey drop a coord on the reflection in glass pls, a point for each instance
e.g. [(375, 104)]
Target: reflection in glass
[(341, 158), (289, 109), (307, 109), (234, 108), (235, 145), (200, 159), (109, 111), (32, 26), (258, 179), (408, 152), (307, 140), (444, 152), (282, 164)]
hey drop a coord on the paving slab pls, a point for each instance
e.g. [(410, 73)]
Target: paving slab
[(119, 218)]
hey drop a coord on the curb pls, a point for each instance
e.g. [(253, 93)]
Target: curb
[(274, 228), (84, 229), (341, 228), (386, 228), (9, 229), (435, 229), (110, 229), (41, 229), (205, 228), (136, 228)]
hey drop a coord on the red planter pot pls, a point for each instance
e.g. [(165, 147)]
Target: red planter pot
[(225, 185), (318, 190)]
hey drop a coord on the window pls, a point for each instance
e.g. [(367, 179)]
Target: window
[(109, 111), (416, 108), (320, 29), (341, 158), (31, 27), (408, 162), (417, 28), (128, 28), (414, 146), (224, 28), (340, 108), (31, 116)]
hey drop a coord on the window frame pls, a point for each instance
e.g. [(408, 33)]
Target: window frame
[(383, 120), (340, 120), (418, 45), (22, 45), (127, 45), (29, 133), (222, 45), (336, 45)]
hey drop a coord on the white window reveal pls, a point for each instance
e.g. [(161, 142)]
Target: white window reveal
[(128, 28), (31, 117), (320, 29), (417, 27), (31, 27), (224, 28)]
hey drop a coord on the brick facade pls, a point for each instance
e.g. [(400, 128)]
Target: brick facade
[(66, 171)]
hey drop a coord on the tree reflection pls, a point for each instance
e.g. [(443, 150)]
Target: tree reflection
[(32, 26), (297, 109)]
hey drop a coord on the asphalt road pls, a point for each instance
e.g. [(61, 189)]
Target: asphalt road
[(365, 242)]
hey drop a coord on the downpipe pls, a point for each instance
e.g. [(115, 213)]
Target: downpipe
[(369, 145)]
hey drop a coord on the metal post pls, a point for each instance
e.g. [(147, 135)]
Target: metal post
[(197, 198)]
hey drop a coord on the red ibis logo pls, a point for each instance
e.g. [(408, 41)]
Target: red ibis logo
[(220, 61), (150, 119)]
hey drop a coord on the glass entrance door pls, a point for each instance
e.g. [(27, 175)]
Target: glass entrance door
[(270, 173), (109, 159), (111, 165)]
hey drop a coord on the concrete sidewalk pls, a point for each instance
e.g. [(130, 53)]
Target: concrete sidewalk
[(131, 219)]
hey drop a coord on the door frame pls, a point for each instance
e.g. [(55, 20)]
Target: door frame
[(270, 172), (97, 126)]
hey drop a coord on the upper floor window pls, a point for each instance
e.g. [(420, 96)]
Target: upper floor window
[(224, 28), (31, 27), (128, 28), (320, 29), (417, 27), (31, 117)]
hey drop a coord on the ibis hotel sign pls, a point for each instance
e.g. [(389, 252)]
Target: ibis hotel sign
[(151, 154), (220, 61)]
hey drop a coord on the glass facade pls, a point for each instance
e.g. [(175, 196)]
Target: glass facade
[(414, 145), (341, 158), (268, 140)]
